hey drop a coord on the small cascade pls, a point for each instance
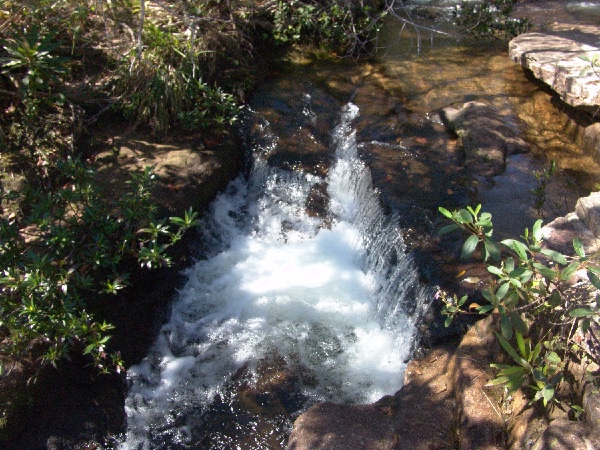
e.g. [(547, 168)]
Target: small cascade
[(286, 309)]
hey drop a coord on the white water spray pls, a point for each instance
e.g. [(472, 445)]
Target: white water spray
[(333, 302)]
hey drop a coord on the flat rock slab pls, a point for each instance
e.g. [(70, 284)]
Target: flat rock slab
[(555, 58), (189, 172)]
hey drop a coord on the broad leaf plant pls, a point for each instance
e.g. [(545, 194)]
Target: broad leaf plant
[(545, 317)]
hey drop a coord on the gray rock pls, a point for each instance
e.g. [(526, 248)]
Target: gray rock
[(555, 58), (589, 139), (559, 234), (564, 434), (591, 405), (588, 210)]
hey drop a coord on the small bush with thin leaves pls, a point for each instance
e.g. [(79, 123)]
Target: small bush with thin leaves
[(543, 319), (71, 244)]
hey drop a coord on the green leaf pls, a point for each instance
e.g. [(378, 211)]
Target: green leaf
[(553, 358), (498, 380), (521, 346), (502, 290), (547, 393), (475, 211), (488, 295), (537, 230), (517, 273), (546, 272), (578, 247), (485, 309), (536, 351), (554, 256), (569, 270), (469, 246), (495, 270), (512, 370), (463, 216), (483, 223), (519, 323), (89, 348), (449, 228), (526, 276), (179, 221), (554, 299), (492, 248), (515, 383), (506, 326), (445, 212), (509, 264), (594, 279), (500, 366), (581, 312), (518, 247), (511, 351), (594, 269)]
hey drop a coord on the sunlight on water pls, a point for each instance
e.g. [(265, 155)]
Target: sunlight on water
[(283, 285)]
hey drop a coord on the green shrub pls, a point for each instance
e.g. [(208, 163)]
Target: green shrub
[(542, 316), (67, 246), (344, 25), (490, 19), (162, 87)]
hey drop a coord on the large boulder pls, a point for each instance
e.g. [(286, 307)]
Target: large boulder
[(555, 57)]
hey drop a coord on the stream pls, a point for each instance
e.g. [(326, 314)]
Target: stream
[(287, 309), (312, 275)]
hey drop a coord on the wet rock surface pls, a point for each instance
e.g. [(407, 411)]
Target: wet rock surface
[(393, 422), (583, 223)]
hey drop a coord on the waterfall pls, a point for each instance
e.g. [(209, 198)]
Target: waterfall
[(285, 310)]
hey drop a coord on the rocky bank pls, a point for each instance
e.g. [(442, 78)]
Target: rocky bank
[(72, 407)]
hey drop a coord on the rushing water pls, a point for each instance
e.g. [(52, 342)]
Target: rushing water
[(288, 309)]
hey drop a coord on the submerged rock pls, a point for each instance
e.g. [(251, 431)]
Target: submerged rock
[(487, 136)]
